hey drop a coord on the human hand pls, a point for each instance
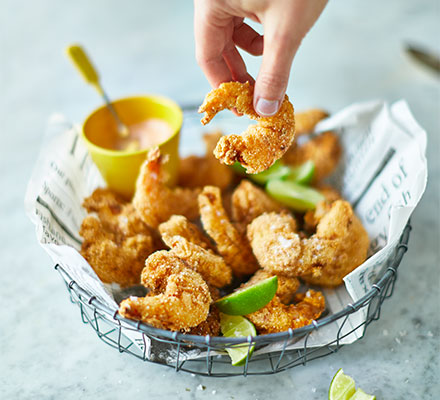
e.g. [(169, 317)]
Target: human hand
[(219, 29)]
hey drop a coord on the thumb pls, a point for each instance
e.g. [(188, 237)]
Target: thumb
[(279, 49)]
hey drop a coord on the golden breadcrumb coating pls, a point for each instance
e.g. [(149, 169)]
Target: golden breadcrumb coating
[(178, 225), (339, 228), (155, 201), (211, 266), (231, 245), (305, 121), (249, 202), (211, 326), (115, 258), (180, 298), (278, 317), (260, 145), (115, 213)]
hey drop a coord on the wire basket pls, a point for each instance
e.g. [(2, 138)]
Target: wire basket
[(110, 328)]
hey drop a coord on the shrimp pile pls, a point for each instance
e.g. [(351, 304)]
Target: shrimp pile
[(217, 231), (260, 145)]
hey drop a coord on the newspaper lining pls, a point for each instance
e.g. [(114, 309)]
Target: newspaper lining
[(383, 174)]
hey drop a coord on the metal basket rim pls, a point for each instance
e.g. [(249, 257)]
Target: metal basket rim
[(401, 248)]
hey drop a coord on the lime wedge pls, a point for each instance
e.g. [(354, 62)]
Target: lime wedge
[(361, 395), (276, 171), (342, 387), (250, 299), (294, 195), (237, 326), (302, 173)]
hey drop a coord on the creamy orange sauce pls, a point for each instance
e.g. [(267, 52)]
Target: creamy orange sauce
[(145, 134)]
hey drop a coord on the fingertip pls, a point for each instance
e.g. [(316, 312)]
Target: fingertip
[(265, 107)]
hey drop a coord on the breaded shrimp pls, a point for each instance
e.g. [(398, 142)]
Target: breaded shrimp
[(115, 214), (305, 121), (324, 150), (339, 228), (180, 299), (249, 202), (155, 201), (195, 171), (211, 266), (312, 217), (278, 247), (278, 317), (211, 326), (114, 258), (260, 145), (178, 225), (231, 245)]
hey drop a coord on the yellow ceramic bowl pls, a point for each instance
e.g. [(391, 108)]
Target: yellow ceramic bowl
[(120, 168)]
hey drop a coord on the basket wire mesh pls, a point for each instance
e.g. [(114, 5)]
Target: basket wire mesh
[(110, 327)]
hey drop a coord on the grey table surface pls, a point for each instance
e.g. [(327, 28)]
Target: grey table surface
[(355, 52)]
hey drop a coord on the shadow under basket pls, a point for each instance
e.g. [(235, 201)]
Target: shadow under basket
[(151, 343)]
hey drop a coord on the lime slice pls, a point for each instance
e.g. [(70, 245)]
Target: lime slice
[(237, 326), (294, 195), (250, 299), (361, 395), (302, 173), (276, 171), (342, 387)]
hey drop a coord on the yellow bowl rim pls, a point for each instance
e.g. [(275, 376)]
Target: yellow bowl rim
[(120, 153)]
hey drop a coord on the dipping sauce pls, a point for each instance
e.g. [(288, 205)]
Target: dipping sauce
[(145, 134)]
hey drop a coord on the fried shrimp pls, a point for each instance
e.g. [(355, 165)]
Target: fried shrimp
[(195, 171), (305, 121), (340, 234), (180, 298), (287, 287), (278, 317), (178, 225), (231, 245), (277, 245), (324, 150), (312, 217), (115, 214), (211, 266), (249, 202), (260, 145), (280, 250), (211, 326), (114, 258), (156, 202)]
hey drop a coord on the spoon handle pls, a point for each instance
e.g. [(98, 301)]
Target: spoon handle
[(85, 67)]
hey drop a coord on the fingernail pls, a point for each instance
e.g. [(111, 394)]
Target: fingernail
[(267, 107)]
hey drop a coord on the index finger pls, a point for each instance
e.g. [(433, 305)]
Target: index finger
[(210, 42)]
